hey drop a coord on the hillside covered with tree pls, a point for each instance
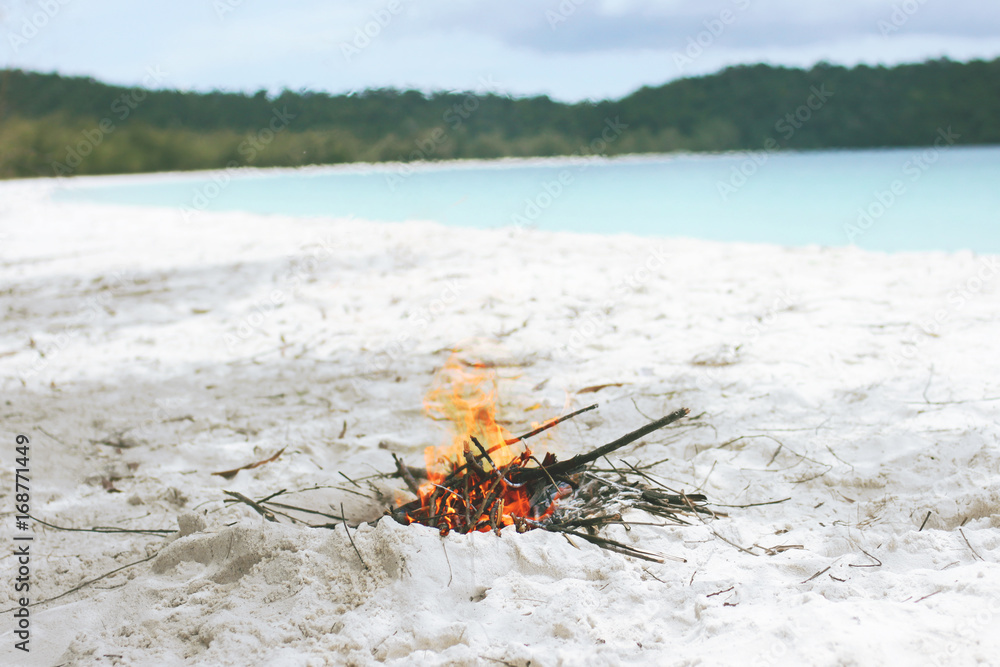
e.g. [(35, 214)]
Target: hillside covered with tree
[(55, 125)]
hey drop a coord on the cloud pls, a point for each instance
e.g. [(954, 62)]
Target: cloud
[(568, 49), (587, 26)]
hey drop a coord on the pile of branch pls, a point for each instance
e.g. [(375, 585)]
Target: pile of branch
[(572, 497), (604, 499), (568, 497)]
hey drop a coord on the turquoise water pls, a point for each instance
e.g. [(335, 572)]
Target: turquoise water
[(892, 200)]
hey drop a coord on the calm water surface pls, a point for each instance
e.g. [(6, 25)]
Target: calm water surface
[(892, 200)]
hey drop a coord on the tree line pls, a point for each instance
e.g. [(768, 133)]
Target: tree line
[(56, 125)]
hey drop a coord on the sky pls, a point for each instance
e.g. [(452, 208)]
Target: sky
[(569, 50)]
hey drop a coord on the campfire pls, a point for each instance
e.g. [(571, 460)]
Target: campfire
[(487, 478)]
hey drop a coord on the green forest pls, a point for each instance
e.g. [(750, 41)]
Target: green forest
[(54, 125)]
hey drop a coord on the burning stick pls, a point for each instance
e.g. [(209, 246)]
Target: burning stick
[(482, 451), (547, 425), (404, 472), (485, 453), (472, 464), (578, 462)]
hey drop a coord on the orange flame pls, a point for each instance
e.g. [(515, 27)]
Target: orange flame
[(465, 395)]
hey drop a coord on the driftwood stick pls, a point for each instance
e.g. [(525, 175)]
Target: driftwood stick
[(89, 582), (273, 495), (510, 441), (349, 479), (548, 425), (577, 462), (472, 464), (468, 515), (471, 461), (305, 510), (264, 512), (432, 503), (404, 472), (496, 513), (491, 495), (351, 539), (545, 471), (411, 506), (107, 529), (614, 545)]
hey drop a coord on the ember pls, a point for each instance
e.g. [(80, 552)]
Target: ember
[(481, 483)]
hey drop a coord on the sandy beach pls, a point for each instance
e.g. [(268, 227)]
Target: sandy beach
[(856, 393)]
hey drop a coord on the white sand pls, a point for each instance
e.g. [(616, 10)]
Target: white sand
[(219, 341)]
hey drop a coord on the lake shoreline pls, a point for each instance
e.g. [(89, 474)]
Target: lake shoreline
[(894, 200)]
